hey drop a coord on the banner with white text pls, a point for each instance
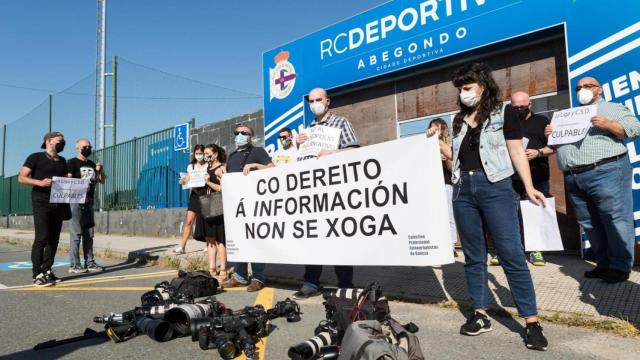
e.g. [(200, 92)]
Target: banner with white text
[(368, 206)]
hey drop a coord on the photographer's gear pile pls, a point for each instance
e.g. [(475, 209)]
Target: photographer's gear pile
[(359, 325), (169, 311)]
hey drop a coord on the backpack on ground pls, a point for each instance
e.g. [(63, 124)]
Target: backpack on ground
[(344, 306), (197, 284), (376, 340)]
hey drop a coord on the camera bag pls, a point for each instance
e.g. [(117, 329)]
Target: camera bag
[(196, 284)]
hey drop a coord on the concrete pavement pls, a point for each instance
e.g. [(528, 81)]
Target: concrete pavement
[(560, 287)]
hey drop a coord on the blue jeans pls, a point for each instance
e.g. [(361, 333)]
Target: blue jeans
[(312, 275), (602, 201), (478, 203), (242, 273)]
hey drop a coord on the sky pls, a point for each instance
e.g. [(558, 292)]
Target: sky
[(47, 44)]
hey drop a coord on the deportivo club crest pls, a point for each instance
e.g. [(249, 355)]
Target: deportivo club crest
[(282, 78)]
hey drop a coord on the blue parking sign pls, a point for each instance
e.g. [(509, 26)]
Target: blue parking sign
[(181, 137)]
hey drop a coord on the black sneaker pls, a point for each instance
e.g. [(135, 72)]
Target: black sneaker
[(476, 325), (595, 273), (52, 277), (533, 338), (42, 281), (305, 293), (614, 276)]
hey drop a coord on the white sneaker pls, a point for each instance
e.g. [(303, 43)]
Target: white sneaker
[(178, 250)]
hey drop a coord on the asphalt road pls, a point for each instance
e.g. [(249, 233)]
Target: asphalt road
[(33, 316)]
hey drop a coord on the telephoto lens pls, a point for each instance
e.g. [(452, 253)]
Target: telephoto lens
[(310, 349), (158, 330), (181, 316)]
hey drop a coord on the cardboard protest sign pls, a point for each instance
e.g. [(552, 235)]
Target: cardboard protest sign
[(68, 190), (319, 138), (571, 125)]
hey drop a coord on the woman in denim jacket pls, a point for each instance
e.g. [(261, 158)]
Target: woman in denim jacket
[(486, 146)]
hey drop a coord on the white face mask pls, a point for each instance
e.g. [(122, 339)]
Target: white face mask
[(469, 98), (199, 157), (317, 108), (585, 96)]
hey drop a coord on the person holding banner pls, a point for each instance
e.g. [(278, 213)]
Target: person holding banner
[(82, 219), (442, 129), (288, 152), (598, 178), (38, 170), (485, 145), (245, 159), (197, 164), (537, 151), (319, 103)]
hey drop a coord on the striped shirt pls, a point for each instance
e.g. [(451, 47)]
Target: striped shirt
[(348, 136), (599, 143)]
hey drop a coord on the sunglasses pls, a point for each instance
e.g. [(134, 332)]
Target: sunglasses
[(87, 147), (245, 133), (283, 137), (586, 86)]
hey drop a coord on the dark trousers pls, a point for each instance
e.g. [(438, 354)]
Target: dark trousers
[(47, 220), (312, 275)]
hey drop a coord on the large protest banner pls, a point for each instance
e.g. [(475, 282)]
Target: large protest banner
[(383, 204)]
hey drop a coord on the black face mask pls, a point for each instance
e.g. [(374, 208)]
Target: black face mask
[(86, 152), (60, 146), (523, 113)]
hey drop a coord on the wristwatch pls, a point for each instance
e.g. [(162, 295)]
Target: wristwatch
[(540, 153)]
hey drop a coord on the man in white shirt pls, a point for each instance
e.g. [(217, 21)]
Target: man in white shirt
[(287, 152)]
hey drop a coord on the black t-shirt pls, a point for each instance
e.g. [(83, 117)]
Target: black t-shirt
[(84, 170), (44, 167), (469, 154), (253, 154), (533, 129)]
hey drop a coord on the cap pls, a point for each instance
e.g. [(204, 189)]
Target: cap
[(48, 136)]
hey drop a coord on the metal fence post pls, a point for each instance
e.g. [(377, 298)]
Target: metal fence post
[(50, 112)]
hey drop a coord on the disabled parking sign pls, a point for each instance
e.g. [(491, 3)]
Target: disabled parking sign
[(181, 137)]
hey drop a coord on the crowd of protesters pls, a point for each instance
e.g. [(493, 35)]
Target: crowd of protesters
[(488, 170)]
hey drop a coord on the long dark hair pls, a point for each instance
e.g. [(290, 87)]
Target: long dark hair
[(193, 153), (222, 154), (489, 103)]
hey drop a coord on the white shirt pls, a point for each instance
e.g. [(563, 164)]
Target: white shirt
[(285, 156)]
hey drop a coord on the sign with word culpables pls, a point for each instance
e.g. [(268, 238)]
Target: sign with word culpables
[(571, 125), (68, 190), (366, 206), (319, 138)]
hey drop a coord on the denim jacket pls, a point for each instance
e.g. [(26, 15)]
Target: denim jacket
[(494, 155)]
